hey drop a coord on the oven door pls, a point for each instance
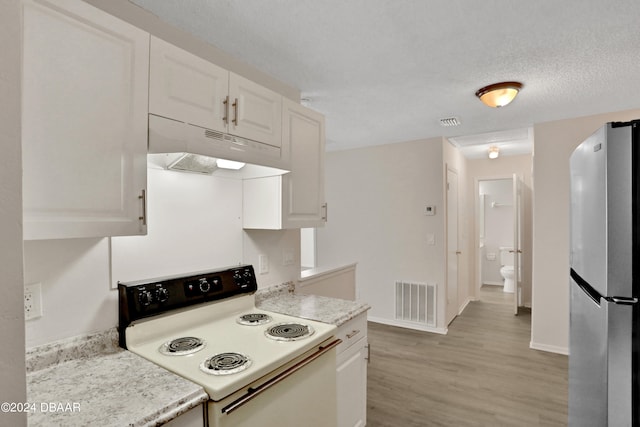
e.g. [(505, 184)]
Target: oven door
[(301, 393)]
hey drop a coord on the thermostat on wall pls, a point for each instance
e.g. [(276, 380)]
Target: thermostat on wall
[(430, 210)]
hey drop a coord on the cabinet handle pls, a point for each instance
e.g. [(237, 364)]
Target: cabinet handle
[(353, 333), (325, 206), (368, 353), (143, 197), (235, 112), (225, 119)]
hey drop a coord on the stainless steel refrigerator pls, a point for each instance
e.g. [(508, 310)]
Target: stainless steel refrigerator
[(604, 277)]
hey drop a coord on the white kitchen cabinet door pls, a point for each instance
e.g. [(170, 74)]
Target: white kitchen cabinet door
[(295, 199), (185, 87), (303, 141), (84, 122), (255, 111), (351, 374)]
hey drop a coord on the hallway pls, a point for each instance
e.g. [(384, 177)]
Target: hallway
[(482, 373)]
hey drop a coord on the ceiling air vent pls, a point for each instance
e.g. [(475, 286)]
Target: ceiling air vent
[(450, 121)]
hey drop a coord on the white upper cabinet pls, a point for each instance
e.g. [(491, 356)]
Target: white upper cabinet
[(84, 122), (296, 199), (304, 140), (190, 89), (185, 87), (255, 111)]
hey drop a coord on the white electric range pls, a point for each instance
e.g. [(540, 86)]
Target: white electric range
[(258, 367)]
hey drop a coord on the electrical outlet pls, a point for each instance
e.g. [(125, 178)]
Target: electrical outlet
[(32, 301)]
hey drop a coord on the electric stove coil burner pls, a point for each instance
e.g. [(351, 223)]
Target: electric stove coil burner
[(254, 319), (289, 331), (225, 364), (182, 346)]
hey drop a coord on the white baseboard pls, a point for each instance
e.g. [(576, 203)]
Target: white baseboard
[(466, 303), (493, 283), (549, 348), (408, 325)]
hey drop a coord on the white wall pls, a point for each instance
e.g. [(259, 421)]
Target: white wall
[(12, 364), (273, 244), (194, 224), (553, 144), (376, 199)]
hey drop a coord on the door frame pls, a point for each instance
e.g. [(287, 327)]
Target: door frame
[(451, 314), (476, 237)]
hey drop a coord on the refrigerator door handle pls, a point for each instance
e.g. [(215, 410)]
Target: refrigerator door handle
[(586, 287), (622, 300)]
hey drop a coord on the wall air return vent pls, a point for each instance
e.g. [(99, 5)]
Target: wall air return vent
[(416, 302)]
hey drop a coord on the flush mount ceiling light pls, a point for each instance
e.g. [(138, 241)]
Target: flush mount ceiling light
[(494, 152), (499, 94)]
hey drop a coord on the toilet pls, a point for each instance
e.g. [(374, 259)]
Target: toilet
[(506, 269)]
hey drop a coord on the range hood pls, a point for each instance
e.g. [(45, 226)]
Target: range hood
[(182, 146)]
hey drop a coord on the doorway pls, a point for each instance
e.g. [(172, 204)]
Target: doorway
[(499, 237)]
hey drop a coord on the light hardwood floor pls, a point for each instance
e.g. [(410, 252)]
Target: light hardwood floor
[(482, 373)]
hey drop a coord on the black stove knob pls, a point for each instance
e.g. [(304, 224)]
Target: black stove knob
[(145, 298), (204, 285), (162, 294)]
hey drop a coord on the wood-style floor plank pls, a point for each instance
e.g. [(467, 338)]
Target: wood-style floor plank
[(482, 373)]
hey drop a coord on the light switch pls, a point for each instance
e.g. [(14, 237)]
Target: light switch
[(431, 239), (288, 256), (263, 264)]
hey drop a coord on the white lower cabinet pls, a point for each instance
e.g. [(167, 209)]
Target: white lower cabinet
[(351, 371), (84, 122)]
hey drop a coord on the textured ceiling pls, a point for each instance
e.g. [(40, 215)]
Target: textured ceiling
[(385, 71)]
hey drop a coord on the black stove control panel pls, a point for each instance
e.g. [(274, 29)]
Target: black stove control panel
[(146, 298)]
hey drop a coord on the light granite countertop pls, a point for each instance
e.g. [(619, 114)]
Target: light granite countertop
[(283, 299), (91, 381)]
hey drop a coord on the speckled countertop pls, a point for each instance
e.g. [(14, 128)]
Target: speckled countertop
[(91, 381), (283, 299)]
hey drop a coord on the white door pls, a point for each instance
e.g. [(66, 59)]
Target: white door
[(185, 87), (351, 378), (452, 246), (84, 122), (517, 241), (255, 111), (303, 148)]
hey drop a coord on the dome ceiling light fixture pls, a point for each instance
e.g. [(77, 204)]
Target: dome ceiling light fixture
[(499, 94), (494, 152)]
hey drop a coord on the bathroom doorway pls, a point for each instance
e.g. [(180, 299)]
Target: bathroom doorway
[(499, 224)]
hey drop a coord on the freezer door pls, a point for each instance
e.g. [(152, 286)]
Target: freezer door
[(600, 359), (587, 361)]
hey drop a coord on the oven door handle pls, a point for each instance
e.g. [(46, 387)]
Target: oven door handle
[(253, 392)]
